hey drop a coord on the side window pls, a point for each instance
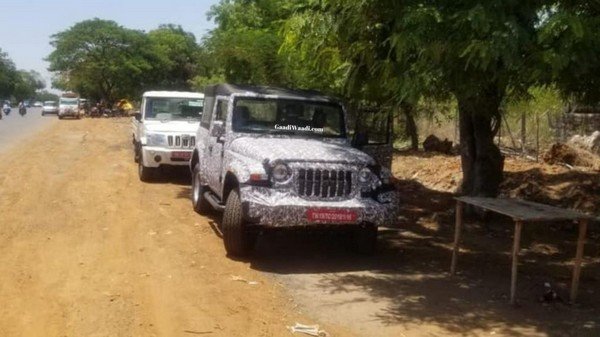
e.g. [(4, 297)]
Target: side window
[(221, 113), (208, 111)]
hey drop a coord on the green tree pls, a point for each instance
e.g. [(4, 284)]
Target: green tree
[(482, 53), (102, 60), (45, 95), (246, 40), (177, 54), (26, 83), (8, 75), (347, 52), (568, 36)]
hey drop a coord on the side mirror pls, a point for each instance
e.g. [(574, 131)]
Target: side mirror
[(218, 129), (138, 116), (360, 139)]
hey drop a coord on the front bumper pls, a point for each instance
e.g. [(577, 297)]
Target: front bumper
[(174, 157), (272, 208), (69, 112)]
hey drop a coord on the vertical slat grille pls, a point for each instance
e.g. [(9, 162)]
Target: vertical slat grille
[(182, 142), (324, 183)]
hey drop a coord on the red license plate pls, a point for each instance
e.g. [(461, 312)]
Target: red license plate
[(331, 216), (181, 155)]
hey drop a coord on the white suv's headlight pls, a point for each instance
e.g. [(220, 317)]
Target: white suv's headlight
[(156, 139), (281, 173), (365, 175)]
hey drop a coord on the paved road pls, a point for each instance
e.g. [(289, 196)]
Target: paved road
[(14, 128)]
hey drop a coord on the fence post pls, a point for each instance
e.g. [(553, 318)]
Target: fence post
[(537, 136), (523, 131)]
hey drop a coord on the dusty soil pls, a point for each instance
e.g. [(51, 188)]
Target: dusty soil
[(86, 249), (576, 188), (405, 289)]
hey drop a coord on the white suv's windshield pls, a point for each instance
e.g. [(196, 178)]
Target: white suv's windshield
[(281, 116), (165, 108), (68, 101)]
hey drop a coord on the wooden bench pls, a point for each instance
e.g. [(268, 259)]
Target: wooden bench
[(523, 212)]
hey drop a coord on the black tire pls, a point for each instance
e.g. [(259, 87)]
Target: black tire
[(60, 117), (200, 204), (146, 174), (136, 152), (365, 239), (238, 240), (43, 113)]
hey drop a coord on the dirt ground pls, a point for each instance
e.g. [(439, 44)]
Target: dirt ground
[(86, 249)]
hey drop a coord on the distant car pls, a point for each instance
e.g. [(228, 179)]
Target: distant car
[(38, 104), (50, 107)]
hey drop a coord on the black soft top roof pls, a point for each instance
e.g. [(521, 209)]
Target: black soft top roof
[(226, 89)]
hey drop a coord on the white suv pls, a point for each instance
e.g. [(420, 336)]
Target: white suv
[(164, 131)]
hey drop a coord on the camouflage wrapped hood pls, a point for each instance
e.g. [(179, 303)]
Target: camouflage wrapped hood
[(291, 149)]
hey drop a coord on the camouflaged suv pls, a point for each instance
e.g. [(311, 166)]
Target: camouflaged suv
[(270, 157)]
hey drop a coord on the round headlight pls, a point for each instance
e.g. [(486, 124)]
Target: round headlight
[(281, 173), (364, 176)]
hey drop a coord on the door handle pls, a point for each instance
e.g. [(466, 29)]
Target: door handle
[(210, 147)]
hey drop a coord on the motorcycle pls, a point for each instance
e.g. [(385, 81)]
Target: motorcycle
[(6, 110), (22, 111)]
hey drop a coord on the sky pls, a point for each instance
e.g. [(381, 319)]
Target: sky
[(26, 25)]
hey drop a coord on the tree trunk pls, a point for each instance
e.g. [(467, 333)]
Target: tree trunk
[(411, 127), (482, 162)]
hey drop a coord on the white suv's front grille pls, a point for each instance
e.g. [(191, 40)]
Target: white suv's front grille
[(324, 183), (181, 141)]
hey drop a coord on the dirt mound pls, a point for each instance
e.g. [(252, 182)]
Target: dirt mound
[(564, 154), (539, 182), (590, 143), (434, 144)]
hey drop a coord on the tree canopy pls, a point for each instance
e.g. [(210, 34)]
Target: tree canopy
[(100, 59), (105, 61), (8, 75), (481, 54), (393, 53), (20, 84)]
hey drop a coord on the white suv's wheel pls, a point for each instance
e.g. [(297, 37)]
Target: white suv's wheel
[(146, 173)]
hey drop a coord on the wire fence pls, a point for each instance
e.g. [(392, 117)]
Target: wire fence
[(528, 134)]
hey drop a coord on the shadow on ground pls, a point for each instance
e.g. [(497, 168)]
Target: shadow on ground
[(406, 282), (408, 275), (176, 175)]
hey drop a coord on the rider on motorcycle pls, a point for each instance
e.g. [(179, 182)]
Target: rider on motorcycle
[(22, 108)]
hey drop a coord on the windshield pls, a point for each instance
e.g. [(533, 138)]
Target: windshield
[(164, 108), (68, 101), (281, 116)]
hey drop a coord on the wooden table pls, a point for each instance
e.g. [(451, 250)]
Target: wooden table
[(523, 212)]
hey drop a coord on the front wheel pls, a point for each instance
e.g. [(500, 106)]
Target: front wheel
[(136, 152), (238, 240), (199, 202), (146, 173)]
